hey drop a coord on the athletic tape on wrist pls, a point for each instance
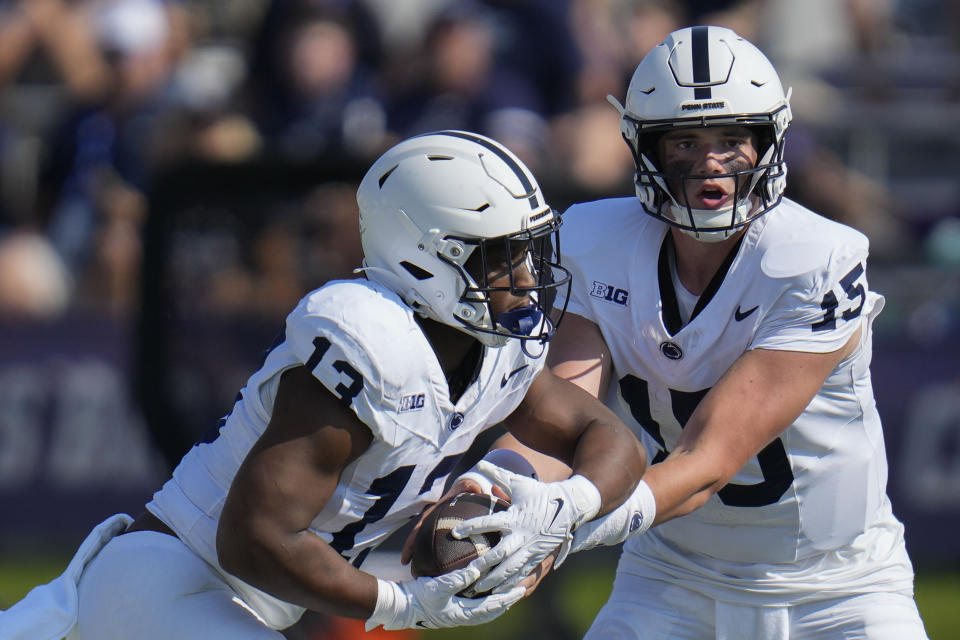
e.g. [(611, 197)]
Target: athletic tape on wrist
[(389, 597), (643, 502), (587, 497)]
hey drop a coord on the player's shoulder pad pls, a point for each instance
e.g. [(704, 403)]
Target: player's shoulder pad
[(369, 325), (795, 242), (588, 224)]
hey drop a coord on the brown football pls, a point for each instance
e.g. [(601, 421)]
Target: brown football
[(436, 552)]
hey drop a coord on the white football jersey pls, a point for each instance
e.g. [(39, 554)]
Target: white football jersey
[(363, 343), (800, 513)]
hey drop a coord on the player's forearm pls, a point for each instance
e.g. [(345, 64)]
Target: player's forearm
[(612, 459), (681, 484), (299, 568)]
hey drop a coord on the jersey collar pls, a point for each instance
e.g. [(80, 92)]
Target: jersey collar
[(672, 319)]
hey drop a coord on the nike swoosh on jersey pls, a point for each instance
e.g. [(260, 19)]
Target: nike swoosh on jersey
[(559, 502), (507, 376), (742, 315)]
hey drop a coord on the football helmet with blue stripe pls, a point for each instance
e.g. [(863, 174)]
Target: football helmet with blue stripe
[(706, 77), (439, 211)]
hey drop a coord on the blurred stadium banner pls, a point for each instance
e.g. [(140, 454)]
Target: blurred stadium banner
[(73, 446), (918, 395)]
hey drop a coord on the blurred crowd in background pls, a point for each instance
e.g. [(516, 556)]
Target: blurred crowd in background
[(100, 97)]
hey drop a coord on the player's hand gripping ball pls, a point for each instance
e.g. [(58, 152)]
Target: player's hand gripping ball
[(436, 552)]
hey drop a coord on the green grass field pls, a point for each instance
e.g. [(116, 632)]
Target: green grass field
[(575, 597)]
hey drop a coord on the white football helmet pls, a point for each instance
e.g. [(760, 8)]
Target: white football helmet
[(436, 201), (704, 77)]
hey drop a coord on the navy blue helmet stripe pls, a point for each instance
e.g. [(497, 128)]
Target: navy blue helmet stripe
[(701, 62), (517, 169)]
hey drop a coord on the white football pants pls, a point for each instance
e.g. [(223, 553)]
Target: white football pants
[(150, 586), (642, 608)]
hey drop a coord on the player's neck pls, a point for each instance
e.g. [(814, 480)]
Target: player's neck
[(697, 261), (456, 351)]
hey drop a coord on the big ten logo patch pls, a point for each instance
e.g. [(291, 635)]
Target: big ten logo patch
[(411, 402), (609, 293)]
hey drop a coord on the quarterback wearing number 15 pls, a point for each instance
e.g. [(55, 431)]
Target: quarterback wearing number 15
[(731, 327)]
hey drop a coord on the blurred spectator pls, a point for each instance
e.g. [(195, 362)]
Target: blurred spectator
[(101, 154), (57, 32), (203, 115), (821, 180), (264, 284), (535, 54), (315, 92), (819, 36), (333, 246), (841, 148), (34, 283), (740, 15), (587, 149), (613, 36), (48, 58), (304, 243), (534, 39), (257, 253), (402, 26), (590, 153), (457, 83)]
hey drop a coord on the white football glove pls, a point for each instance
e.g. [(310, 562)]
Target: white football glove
[(631, 518), (540, 520), (505, 458), (433, 603)]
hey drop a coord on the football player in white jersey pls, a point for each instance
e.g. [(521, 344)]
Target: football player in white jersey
[(731, 328), (376, 388)]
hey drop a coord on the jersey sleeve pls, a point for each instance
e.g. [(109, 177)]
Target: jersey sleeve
[(819, 310), (343, 360), (578, 302)]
